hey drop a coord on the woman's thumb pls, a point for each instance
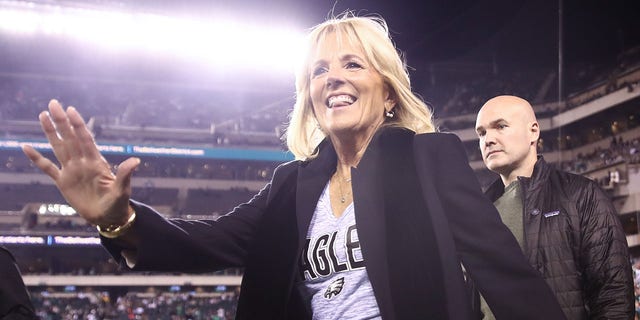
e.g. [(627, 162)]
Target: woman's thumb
[(124, 172)]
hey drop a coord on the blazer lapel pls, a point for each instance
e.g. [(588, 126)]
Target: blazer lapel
[(312, 178), (368, 194)]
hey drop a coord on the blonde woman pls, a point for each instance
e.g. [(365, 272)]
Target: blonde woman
[(371, 221)]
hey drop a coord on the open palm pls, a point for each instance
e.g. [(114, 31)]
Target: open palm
[(84, 177)]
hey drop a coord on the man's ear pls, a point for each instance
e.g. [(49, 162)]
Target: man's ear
[(534, 129)]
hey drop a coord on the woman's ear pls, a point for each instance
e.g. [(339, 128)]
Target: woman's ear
[(389, 104), (390, 99)]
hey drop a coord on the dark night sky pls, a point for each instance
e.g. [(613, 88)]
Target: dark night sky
[(441, 30), (512, 34)]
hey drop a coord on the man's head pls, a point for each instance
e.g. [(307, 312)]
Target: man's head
[(508, 133)]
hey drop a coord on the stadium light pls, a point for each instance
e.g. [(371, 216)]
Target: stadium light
[(220, 42), (18, 21)]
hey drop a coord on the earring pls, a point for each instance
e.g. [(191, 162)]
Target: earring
[(389, 114)]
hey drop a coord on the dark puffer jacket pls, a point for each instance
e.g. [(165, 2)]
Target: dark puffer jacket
[(574, 238)]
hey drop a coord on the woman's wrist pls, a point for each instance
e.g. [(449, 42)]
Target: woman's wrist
[(116, 230)]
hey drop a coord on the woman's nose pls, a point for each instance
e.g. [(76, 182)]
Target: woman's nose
[(334, 78)]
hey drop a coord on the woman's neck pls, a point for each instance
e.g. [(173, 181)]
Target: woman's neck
[(349, 153), (350, 149)]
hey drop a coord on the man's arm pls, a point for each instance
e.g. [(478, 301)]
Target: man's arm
[(604, 255)]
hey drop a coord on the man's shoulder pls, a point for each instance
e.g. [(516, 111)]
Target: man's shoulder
[(573, 178), (573, 185)]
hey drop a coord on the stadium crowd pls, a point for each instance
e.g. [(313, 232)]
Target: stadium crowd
[(155, 304)]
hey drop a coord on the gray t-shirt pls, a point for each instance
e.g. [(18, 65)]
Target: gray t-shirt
[(509, 206), (335, 278)]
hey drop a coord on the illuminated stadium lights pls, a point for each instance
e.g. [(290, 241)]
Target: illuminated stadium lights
[(17, 21), (218, 42), (56, 209)]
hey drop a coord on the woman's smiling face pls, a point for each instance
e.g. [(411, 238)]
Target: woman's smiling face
[(347, 93)]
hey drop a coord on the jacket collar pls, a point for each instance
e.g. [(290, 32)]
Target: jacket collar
[(540, 174), (313, 175)]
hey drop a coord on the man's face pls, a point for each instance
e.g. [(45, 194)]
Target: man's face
[(506, 137)]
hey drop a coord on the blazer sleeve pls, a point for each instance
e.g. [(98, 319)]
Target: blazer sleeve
[(604, 256), (190, 245), (486, 247)]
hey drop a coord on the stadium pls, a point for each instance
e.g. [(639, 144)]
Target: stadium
[(205, 109)]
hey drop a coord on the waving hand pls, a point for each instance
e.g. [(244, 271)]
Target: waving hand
[(83, 176)]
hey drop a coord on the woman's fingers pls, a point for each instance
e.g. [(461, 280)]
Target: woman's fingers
[(44, 164), (65, 130), (85, 138), (69, 136), (52, 135), (83, 176), (59, 118)]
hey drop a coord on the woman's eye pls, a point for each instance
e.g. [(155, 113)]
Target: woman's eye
[(353, 65), (318, 71)]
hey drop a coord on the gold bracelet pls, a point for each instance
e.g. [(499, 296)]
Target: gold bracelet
[(114, 230)]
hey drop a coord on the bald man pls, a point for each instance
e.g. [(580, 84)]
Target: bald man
[(565, 224)]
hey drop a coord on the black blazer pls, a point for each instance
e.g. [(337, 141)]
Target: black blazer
[(15, 303), (419, 212)]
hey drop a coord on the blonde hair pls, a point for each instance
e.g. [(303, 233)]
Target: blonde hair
[(372, 34)]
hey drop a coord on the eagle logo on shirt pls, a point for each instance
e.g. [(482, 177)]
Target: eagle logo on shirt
[(334, 288)]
